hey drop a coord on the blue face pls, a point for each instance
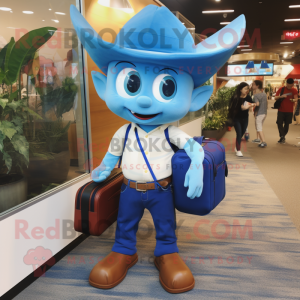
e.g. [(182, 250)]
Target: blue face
[(148, 94)]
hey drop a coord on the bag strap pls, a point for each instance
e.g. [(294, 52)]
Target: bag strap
[(201, 138), (125, 141), (145, 157), (173, 147), (282, 91)]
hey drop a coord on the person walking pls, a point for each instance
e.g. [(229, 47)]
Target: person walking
[(239, 107), (261, 100), (297, 113), (285, 112)]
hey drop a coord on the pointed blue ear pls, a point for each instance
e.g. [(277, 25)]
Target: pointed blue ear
[(100, 81), (200, 97)]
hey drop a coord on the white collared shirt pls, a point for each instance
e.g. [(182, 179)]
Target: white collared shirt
[(156, 148)]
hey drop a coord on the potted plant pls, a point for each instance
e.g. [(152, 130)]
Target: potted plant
[(52, 163), (14, 113), (213, 126), (51, 138)]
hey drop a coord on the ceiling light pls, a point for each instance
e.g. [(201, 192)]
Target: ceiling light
[(286, 43), (217, 11), (56, 21), (291, 20), (225, 23), (5, 8), (123, 5), (11, 11), (264, 65), (27, 12), (293, 52), (218, 0), (294, 6), (43, 20), (250, 65), (246, 50), (60, 13), (50, 9), (243, 46), (285, 55)]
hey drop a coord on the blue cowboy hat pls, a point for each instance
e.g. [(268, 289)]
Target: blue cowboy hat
[(156, 36)]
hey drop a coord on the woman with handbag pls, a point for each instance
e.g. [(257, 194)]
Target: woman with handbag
[(238, 114)]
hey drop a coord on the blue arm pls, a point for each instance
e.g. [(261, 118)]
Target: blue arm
[(103, 171), (194, 176)]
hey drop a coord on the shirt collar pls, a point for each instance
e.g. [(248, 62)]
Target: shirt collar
[(160, 128)]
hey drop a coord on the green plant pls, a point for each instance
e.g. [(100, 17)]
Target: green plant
[(61, 99), (14, 146), (220, 102), (214, 122), (16, 54), (53, 136), (267, 90)]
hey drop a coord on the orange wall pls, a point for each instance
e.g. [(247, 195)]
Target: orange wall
[(104, 123)]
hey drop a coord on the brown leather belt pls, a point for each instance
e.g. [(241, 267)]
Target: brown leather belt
[(144, 186)]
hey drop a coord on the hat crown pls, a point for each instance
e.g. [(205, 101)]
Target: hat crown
[(155, 29)]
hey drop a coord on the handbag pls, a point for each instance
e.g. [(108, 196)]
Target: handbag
[(214, 185), (278, 102), (97, 203), (215, 171)]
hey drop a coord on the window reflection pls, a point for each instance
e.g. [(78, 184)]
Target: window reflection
[(42, 113)]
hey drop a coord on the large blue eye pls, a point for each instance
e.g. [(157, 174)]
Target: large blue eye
[(168, 87), (132, 83), (128, 83), (164, 88)]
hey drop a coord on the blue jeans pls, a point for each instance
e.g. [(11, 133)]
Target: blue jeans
[(131, 209), (240, 126)]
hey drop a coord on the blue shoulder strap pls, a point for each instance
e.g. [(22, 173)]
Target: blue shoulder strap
[(174, 147), (125, 141), (145, 158), (167, 136)]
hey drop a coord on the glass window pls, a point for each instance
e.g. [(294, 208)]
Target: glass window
[(42, 105)]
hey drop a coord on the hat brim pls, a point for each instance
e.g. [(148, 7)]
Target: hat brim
[(201, 64)]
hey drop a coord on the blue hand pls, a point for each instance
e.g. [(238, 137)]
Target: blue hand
[(194, 176), (103, 171), (194, 180)]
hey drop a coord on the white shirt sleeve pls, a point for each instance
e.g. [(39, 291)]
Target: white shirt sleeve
[(117, 142), (178, 137)]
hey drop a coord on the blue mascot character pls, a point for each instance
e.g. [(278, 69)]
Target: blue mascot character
[(153, 73)]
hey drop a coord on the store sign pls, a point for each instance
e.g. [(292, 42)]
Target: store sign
[(240, 70), (291, 35)]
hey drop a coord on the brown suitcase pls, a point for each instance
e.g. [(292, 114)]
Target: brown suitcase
[(96, 204)]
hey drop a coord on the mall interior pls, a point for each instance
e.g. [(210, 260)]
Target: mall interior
[(55, 130)]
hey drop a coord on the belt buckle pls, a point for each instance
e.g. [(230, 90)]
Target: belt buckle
[(136, 186)]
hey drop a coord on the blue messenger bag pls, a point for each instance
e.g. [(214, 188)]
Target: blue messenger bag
[(215, 171)]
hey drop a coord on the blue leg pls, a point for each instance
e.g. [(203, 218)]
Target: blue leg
[(161, 206), (131, 210)]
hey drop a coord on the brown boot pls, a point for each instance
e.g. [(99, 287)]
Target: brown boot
[(174, 274), (111, 270)]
